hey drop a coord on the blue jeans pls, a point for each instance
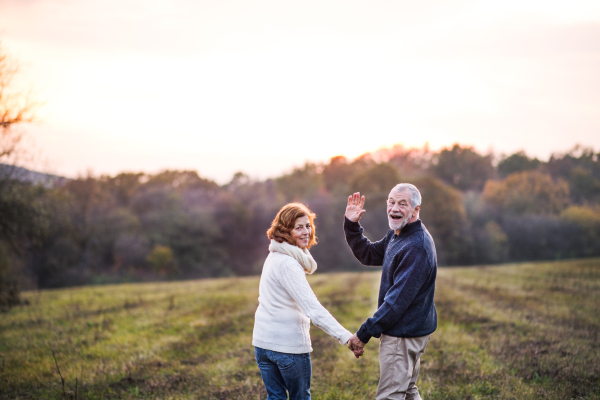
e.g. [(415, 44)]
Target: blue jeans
[(284, 373)]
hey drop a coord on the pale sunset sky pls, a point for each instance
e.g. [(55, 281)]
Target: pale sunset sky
[(262, 86)]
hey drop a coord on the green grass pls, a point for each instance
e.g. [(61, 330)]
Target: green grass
[(519, 331)]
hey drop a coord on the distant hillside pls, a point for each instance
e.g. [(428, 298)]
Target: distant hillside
[(25, 175)]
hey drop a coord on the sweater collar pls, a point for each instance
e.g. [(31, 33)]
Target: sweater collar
[(303, 256), (410, 228)]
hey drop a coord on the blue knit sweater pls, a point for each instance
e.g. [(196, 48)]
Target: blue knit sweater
[(405, 307)]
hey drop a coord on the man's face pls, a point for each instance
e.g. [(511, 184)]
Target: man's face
[(399, 209)]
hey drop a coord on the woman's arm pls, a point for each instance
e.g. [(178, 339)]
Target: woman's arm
[(293, 279)]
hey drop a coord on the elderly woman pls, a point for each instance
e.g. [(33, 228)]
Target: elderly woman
[(287, 304)]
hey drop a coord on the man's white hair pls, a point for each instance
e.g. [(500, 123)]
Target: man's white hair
[(415, 195)]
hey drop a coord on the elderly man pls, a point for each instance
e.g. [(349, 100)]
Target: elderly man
[(406, 315)]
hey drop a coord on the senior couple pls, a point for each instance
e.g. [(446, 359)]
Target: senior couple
[(405, 317)]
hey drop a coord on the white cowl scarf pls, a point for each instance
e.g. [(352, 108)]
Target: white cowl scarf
[(301, 255)]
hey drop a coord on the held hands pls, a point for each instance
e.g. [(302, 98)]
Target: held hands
[(354, 209), (356, 346)]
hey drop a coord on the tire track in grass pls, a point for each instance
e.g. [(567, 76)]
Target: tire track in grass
[(549, 358), (336, 373), (215, 354)]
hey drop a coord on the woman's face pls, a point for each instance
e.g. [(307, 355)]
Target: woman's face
[(301, 231)]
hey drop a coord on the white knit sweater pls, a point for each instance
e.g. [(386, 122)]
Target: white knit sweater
[(287, 304)]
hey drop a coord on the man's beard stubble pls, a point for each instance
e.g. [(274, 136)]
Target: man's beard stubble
[(398, 225)]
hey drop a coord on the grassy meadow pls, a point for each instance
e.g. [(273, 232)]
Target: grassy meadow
[(517, 331)]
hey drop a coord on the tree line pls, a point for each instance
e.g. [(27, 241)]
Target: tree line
[(178, 225)]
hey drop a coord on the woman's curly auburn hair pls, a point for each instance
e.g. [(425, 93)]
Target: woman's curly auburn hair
[(284, 222)]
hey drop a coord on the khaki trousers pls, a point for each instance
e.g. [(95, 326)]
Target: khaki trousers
[(399, 361)]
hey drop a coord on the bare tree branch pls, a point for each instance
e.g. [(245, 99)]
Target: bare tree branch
[(15, 108)]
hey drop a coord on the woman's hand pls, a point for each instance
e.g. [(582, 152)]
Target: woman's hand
[(354, 209)]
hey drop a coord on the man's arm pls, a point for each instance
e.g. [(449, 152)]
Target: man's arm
[(366, 252), (408, 280)]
